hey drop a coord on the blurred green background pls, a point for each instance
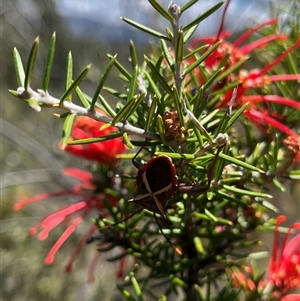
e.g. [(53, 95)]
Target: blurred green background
[(30, 159)]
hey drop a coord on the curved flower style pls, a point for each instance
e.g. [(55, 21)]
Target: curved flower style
[(104, 152), (72, 214), (258, 110), (284, 267)]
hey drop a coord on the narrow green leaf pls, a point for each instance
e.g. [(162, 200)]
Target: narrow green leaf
[(107, 107), (95, 140), (136, 287), (75, 84), (231, 70), (189, 33), (279, 185), (161, 128), (212, 79), (124, 111), (153, 86), (159, 77), (203, 16), (145, 29), (31, 63), (127, 141), (176, 156), (67, 129), (133, 55), (236, 116), (201, 58), (115, 93), (49, 63), (125, 293), (247, 192), (102, 81), (179, 48), (120, 67), (198, 244), (135, 105), (169, 33), (82, 98), (178, 105), (133, 83), (240, 163), (19, 68), (188, 5), (161, 10), (167, 55), (194, 51), (69, 74), (150, 114)]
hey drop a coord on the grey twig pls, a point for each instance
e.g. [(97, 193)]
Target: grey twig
[(48, 101)]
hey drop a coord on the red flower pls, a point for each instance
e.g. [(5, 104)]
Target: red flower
[(284, 268), (253, 79), (104, 152), (71, 215)]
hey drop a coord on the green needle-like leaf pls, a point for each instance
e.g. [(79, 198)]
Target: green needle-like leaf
[(133, 55), (67, 129), (178, 105), (19, 68), (49, 63), (153, 86), (125, 293), (167, 55), (133, 83), (161, 10), (135, 105), (82, 98), (127, 141), (247, 192), (188, 5), (102, 81), (159, 77), (203, 16), (240, 163), (31, 63), (236, 116), (94, 140), (120, 67), (150, 114), (107, 107), (75, 84), (137, 289), (124, 111), (201, 58), (179, 48), (189, 33), (145, 29), (69, 74)]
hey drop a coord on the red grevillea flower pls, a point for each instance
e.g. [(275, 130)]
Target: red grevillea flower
[(104, 152), (72, 215), (259, 108), (284, 267)]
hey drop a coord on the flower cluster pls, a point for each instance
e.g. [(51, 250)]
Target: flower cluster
[(260, 108), (90, 190)]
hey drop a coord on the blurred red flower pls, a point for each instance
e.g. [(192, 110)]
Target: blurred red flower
[(284, 266), (71, 216), (104, 152), (258, 111)]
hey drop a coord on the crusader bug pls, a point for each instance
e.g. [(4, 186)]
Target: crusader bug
[(157, 182)]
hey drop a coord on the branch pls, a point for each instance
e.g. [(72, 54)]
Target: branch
[(46, 100)]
